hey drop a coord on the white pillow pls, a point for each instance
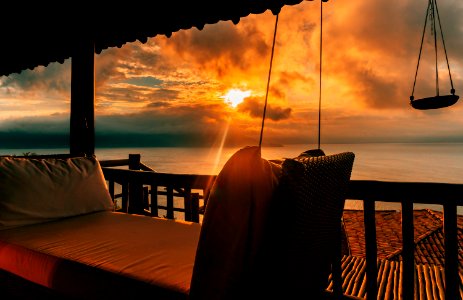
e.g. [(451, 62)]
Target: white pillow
[(36, 190)]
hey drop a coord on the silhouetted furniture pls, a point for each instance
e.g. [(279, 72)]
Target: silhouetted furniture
[(304, 243), (278, 227), (100, 253)]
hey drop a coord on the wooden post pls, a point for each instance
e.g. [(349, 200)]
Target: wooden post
[(135, 188), (82, 131), (125, 197), (408, 241), (154, 201), (371, 249), (187, 204), (451, 252), (195, 207), (336, 269), (170, 202)]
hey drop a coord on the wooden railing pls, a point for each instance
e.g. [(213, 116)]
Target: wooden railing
[(407, 193), (141, 188), (138, 185)]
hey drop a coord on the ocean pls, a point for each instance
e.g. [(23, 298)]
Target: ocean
[(414, 162)]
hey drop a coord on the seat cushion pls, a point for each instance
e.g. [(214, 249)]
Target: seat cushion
[(104, 255), (36, 190)]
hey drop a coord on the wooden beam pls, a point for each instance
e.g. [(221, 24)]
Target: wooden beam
[(82, 131)]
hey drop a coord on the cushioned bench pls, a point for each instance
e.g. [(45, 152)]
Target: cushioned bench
[(58, 230), (78, 255)]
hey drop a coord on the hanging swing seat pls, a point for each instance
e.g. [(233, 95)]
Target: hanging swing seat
[(434, 102)]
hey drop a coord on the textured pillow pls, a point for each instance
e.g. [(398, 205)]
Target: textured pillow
[(233, 225), (309, 204), (36, 190), (312, 190)]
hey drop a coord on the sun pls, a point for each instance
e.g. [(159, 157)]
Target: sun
[(235, 96)]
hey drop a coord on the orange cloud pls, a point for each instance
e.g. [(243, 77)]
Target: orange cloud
[(175, 85), (255, 107)]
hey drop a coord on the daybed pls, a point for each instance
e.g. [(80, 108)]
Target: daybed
[(58, 230)]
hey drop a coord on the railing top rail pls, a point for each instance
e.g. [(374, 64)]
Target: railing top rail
[(150, 177), (368, 190), (114, 162), (416, 192)]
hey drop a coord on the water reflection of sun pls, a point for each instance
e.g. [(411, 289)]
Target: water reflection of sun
[(235, 96)]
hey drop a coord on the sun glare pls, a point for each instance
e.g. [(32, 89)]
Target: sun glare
[(235, 96)]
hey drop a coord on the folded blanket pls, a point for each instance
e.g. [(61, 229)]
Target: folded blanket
[(233, 225)]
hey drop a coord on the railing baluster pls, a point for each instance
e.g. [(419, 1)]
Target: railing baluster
[(170, 202), (187, 204), (336, 267), (125, 197), (135, 205), (195, 207), (154, 201), (371, 249), (146, 201), (408, 250), (451, 252), (111, 189)]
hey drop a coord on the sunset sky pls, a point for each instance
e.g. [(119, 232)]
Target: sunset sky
[(173, 91)]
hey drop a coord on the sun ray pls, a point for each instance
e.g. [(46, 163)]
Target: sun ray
[(220, 149)]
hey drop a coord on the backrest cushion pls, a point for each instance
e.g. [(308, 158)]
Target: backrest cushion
[(36, 190), (233, 225), (309, 203)]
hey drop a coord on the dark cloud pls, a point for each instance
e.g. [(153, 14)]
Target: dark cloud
[(158, 104), (55, 77), (290, 78), (277, 92), (222, 47), (163, 94), (254, 107), (148, 81)]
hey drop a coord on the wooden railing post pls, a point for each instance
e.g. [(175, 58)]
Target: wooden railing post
[(170, 202), (135, 189), (154, 201), (187, 203), (451, 252), (371, 249), (125, 197), (336, 269), (146, 200), (111, 190), (195, 207), (408, 242)]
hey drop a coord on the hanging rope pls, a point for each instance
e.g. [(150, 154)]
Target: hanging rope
[(434, 30), (421, 49), (452, 91), (320, 73), (268, 82), (431, 12)]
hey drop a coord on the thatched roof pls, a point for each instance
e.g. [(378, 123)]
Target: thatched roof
[(40, 33)]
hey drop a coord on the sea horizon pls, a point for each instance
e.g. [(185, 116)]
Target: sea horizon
[(403, 162)]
